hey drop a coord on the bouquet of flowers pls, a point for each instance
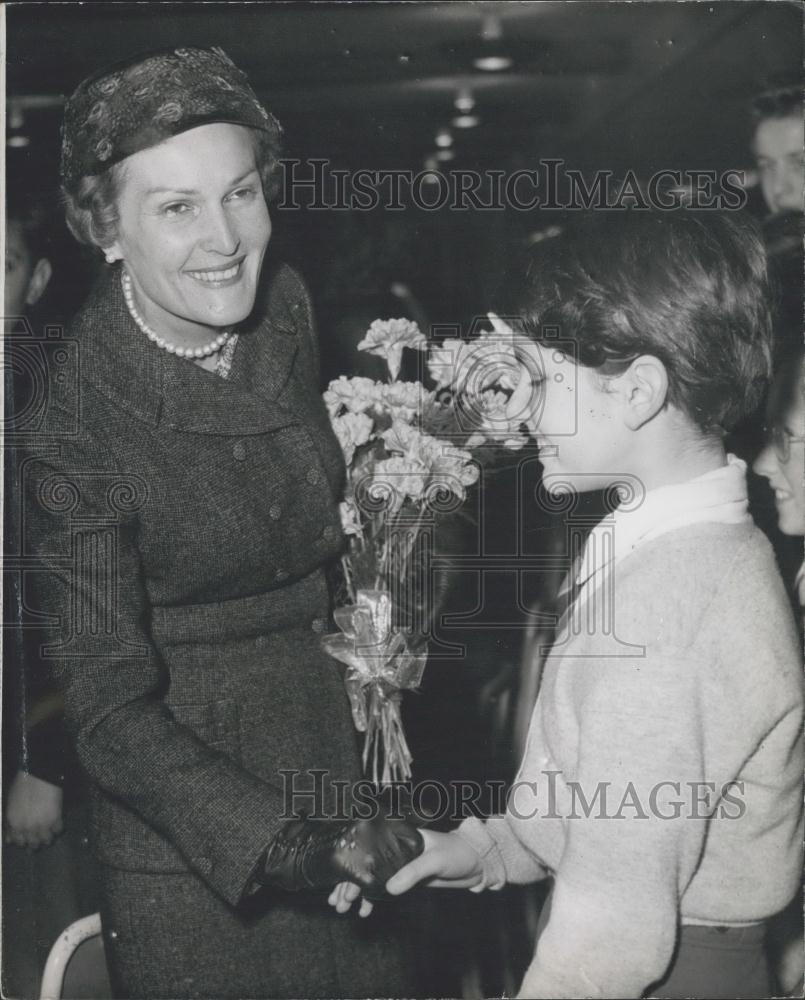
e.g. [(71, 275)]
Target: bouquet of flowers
[(409, 456)]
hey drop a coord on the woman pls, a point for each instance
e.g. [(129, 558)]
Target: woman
[(185, 522)]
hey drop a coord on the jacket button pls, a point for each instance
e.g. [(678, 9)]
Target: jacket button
[(239, 451), (318, 625), (282, 574), (313, 477), (275, 512)]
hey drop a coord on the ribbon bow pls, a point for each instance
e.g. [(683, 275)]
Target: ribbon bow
[(379, 667)]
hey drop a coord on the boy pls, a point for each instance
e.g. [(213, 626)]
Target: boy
[(660, 785)]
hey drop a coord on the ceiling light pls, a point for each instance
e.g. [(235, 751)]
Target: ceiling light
[(464, 101), (493, 56), (443, 139), (493, 63), (445, 154), (466, 121), (16, 123)]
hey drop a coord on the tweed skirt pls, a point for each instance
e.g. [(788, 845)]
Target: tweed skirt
[(273, 701), (168, 936)]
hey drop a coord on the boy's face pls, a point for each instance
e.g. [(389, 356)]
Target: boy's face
[(576, 421), (779, 154), (26, 278), (19, 269)]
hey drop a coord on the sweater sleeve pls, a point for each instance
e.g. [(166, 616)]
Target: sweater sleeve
[(504, 857), (631, 850), (89, 581)]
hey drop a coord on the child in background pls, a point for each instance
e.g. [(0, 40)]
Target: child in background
[(660, 787)]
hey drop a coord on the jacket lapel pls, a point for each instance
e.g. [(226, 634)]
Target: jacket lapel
[(202, 402), (161, 388)]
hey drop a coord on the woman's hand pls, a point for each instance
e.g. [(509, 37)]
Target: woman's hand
[(33, 811), (447, 861)]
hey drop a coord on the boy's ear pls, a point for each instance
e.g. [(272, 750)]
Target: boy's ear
[(645, 388), (40, 276)]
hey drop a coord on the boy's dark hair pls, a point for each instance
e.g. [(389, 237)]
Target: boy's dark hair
[(689, 288), (782, 101)]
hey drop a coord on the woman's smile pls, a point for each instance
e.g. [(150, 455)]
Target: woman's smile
[(218, 277)]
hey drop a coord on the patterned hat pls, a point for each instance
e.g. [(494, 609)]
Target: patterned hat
[(142, 102)]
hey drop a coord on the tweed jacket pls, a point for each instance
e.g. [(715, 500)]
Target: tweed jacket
[(182, 531)]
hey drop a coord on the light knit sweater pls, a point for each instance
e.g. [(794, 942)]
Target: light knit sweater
[(710, 691)]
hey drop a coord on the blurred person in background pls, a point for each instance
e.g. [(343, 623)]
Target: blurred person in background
[(782, 463), (777, 145), (48, 878)]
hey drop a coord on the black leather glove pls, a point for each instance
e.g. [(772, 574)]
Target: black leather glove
[(318, 854)]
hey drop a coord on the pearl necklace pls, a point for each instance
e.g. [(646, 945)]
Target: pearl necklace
[(181, 352)]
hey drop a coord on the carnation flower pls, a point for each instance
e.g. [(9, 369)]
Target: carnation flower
[(399, 478), (404, 400), (354, 394), (452, 469), (387, 338), (403, 438), (352, 430), (496, 421), (445, 466)]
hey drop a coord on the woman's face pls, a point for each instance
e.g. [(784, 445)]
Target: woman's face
[(193, 228), (785, 473)]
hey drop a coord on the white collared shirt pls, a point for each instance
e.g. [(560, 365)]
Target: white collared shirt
[(718, 496)]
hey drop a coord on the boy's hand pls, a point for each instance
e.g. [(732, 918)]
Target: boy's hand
[(33, 811), (447, 861), (345, 894)]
